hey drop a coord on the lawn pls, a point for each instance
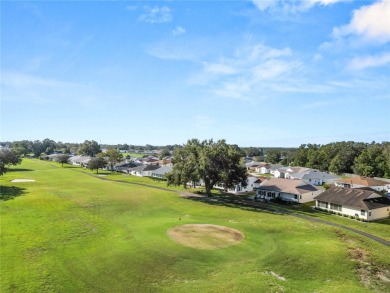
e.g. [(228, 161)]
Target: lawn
[(71, 232)]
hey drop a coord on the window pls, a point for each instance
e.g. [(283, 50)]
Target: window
[(335, 207), (323, 204), (369, 214), (362, 212), (295, 196)]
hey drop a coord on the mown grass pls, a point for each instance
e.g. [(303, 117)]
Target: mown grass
[(380, 228), (70, 232)]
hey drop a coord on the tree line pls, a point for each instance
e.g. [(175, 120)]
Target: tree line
[(366, 159), (49, 146)]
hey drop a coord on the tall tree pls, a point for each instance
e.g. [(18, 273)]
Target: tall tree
[(209, 161), (37, 148), (96, 163), (89, 148), (113, 156), (371, 162), (63, 159), (8, 157), (273, 156)]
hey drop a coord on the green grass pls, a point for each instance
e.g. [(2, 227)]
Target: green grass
[(70, 232), (380, 228)]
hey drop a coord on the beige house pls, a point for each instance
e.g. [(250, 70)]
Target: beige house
[(364, 203), (289, 190), (362, 181)]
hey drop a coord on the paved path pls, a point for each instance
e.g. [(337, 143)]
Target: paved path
[(246, 203)]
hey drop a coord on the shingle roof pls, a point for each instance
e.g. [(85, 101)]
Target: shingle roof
[(313, 174), (162, 170), (365, 181), (293, 186), (354, 197)]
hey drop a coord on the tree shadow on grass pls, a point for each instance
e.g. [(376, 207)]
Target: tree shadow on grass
[(10, 192), (19, 170), (236, 204)]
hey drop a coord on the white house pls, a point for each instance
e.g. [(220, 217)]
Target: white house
[(291, 190), (160, 172), (80, 160), (252, 183), (143, 170), (362, 181), (365, 203), (314, 177), (280, 172)]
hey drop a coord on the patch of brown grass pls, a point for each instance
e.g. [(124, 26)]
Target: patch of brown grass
[(205, 236), (370, 274)]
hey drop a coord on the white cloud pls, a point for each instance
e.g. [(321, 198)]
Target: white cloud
[(360, 63), (371, 23), (178, 31), (291, 6), (12, 79), (156, 14), (24, 88), (250, 71)]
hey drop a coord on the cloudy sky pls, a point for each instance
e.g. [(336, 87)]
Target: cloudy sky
[(261, 72)]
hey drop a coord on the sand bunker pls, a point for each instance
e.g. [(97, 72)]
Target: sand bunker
[(23, 180), (205, 236)]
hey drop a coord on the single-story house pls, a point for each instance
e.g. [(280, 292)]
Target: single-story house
[(290, 190), (365, 203), (80, 160), (314, 177), (160, 172), (295, 170), (280, 172), (143, 170), (269, 169), (252, 183), (362, 181)]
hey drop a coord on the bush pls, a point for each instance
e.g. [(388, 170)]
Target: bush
[(352, 217), (345, 215)]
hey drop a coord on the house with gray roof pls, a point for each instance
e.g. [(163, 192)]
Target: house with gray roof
[(80, 160), (252, 183), (143, 170), (314, 177), (160, 172), (289, 190), (365, 203)]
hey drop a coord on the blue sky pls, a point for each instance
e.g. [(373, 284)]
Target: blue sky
[(257, 73)]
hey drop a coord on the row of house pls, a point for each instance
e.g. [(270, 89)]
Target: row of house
[(361, 197)]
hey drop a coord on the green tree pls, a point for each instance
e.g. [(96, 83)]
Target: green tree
[(113, 156), (209, 161), (273, 156), (300, 156), (89, 148), (37, 148), (371, 162), (96, 163), (63, 159), (8, 157), (165, 152)]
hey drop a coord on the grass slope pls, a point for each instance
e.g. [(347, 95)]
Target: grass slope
[(70, 232)]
